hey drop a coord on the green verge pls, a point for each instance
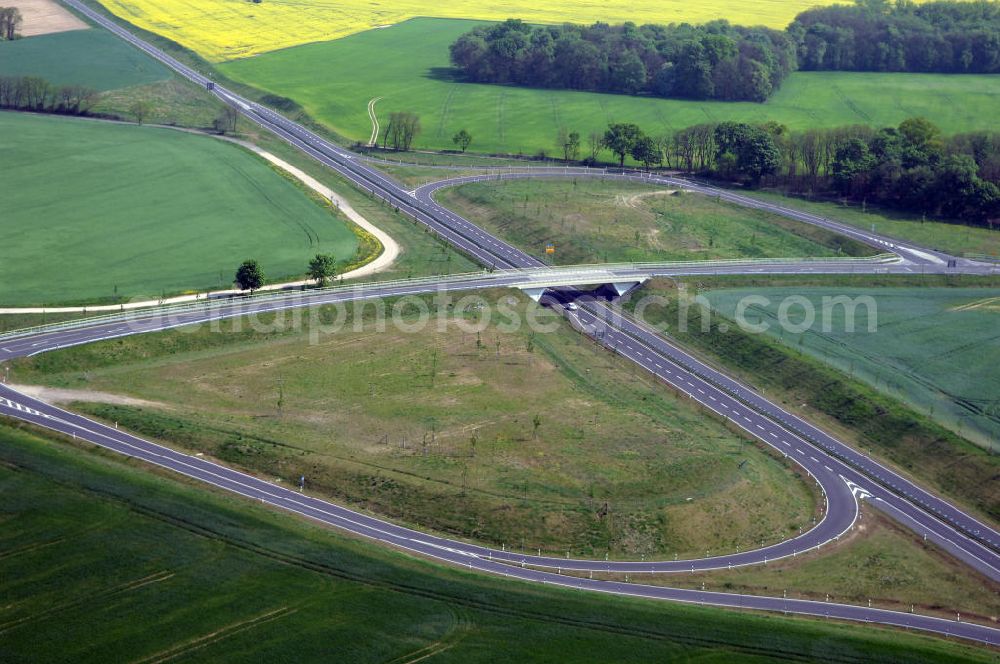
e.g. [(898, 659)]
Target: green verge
[(214, 578), (850, 409), (434, 426), (407, 65), (167, 211), (954, 238), (593, 221)]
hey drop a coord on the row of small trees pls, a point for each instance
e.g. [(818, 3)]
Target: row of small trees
[(33, 93), (400, 130), (250, 274), (911, 166)]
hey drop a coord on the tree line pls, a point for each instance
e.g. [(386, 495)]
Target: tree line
[(720, 61), (911, 166), (33, 93), (10, 22), (712, 61), (876, 35)]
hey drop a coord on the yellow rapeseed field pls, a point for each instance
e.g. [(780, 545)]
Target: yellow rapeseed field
[(227, 29)]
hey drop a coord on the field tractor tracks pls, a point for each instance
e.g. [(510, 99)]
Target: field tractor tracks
[(456, 632), (446, 111), (183, 649), (851, 104), (128, 586), (373, 140), (283, 213), (501, 120), (556, 115)]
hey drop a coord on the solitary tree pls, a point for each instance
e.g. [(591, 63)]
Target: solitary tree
[(596, 143), (620, 138), (569, 143), (462, 139), (536, 422), (10, 21), (226, 120), (321, 268), (647, 151), (250, 276), (140, 110)]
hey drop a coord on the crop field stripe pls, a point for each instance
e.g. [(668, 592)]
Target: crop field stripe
[(227, 30)]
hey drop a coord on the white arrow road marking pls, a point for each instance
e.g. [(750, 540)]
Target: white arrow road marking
[(445, 548), (860, 492)]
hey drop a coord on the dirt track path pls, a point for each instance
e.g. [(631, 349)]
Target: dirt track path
[(62, 395)]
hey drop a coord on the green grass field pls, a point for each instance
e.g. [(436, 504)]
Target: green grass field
[(106, 561), (97, 211), (407, 65), (435, 427), (94, 58), (937, 349), (592, 221)]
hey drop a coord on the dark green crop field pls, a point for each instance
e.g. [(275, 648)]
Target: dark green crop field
[(93, 58), (103, 561)]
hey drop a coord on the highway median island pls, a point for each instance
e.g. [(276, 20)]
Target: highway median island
[(438, 429)]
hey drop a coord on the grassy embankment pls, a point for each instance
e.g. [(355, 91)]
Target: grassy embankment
[(957, 239), (849, 408), (222, 579), (593, 221), (437, 428), (407, 66)]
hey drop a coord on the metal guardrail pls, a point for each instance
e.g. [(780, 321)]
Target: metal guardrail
[(551, 274), (986, 258)]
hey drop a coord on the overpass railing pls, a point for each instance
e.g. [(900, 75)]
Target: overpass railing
[(507, 277)]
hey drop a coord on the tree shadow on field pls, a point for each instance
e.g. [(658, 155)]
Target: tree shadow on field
[(445, 74)]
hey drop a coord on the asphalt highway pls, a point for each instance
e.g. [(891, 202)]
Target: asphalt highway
[(843, 474)]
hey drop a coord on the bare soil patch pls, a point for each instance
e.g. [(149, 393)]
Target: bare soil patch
[(42, 17)]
